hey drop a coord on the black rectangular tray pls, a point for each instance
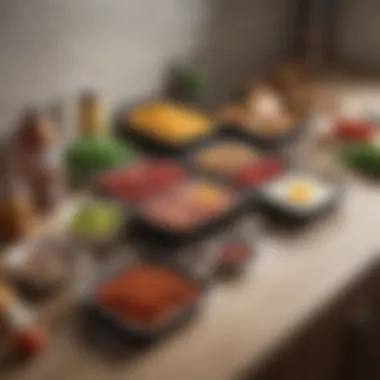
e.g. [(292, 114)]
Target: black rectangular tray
[(145, 230), (148, 145), (282, 141), (97, 317)]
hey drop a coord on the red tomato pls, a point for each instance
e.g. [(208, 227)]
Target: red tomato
[(29, 342), (233, 252), (259, 172), (353, 130)]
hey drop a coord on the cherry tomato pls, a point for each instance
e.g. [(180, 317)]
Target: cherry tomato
[(353, 130), (232, 252), (29, 342)]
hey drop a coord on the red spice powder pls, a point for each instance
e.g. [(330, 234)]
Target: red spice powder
[(145, 294)]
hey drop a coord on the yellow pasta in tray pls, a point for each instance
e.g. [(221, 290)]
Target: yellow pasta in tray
[(168, 122)]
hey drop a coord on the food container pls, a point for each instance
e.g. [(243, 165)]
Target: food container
[(188, 212), (135, 312), (44, 269), (98, 224), (299, 197), (140, 179), (164, 127)]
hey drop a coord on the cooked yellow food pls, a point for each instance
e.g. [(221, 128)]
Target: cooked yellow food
[(225, 157), (299, 192), (169, 122)]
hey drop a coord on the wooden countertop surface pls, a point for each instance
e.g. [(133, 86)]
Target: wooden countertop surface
[(294, 275)]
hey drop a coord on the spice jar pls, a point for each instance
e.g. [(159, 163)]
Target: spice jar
[(39, 160), (90, 114), (15, 207)]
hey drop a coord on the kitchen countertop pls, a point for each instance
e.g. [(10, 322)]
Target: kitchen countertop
[(294, 275)]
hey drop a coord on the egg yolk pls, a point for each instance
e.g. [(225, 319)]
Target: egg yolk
[(299, 193)]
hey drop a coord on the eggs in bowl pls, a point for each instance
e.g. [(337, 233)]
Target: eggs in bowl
[(299, 194)]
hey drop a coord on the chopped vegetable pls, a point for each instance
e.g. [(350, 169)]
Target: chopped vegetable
[(363, 157), (91, 154), (96, 219)]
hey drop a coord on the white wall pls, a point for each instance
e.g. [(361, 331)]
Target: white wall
[(52, 48)]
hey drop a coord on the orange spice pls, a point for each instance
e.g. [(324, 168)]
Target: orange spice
[(145, 294)]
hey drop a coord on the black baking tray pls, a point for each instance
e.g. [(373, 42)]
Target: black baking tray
[(143, 229), (148, 145), (282, 141), (96, 317), (285, 216)]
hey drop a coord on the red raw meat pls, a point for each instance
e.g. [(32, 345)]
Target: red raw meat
[(141, 179)]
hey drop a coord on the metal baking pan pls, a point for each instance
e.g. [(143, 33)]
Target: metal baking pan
[(97, 317)]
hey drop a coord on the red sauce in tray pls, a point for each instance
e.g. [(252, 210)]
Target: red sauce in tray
[(257, 173), (354, 130), (141, 179), (146, 294)]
